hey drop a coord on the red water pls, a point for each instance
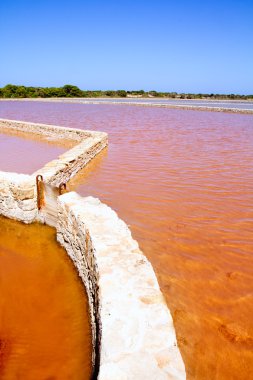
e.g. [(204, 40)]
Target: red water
[(183, 181), (19, 154), (44, 322)]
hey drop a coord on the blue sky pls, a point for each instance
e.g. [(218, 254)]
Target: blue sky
[(183, 46)]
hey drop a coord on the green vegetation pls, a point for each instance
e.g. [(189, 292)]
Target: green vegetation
[(69, 91)]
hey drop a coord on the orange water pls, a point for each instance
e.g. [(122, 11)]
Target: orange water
[(183, 181), (44, 323)]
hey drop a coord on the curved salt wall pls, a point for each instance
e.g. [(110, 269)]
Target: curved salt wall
[(135, 329), (133, 333)]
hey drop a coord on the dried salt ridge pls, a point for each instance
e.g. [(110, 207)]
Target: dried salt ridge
[(136, 329), (161, 104), (133, 332)]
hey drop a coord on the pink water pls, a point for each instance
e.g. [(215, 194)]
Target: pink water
[(23, 155), (183, 181)]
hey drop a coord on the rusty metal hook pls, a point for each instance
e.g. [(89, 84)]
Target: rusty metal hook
[(62, 188), (39, 186)]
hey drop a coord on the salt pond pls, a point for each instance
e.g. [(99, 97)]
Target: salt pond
[(183, 182)]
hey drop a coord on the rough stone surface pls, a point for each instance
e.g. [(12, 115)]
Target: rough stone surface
[(52, 131), (71, 162), (18, 199), (138, 340), (75, 238), (15, 186)]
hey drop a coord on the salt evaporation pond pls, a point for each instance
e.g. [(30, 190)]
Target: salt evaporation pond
[(23, 155), (236, 104), (44, 317), (183, 181)]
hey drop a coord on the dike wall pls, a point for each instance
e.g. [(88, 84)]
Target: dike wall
[(132, 328)]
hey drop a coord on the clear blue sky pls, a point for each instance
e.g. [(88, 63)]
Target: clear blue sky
[(163, 45)]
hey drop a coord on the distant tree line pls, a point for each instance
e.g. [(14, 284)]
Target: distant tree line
[(69, 91)]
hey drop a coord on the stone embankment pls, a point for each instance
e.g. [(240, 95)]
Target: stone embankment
[(132, 329), (18, 195)]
